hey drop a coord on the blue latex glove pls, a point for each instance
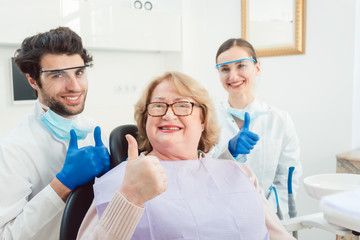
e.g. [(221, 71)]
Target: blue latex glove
[(84, 164), (244, 141)]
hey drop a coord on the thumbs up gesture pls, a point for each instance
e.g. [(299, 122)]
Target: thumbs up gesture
[(84, 164), (145, 178), (244, 141)]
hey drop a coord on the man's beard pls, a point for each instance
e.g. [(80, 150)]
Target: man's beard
[(60, 108)]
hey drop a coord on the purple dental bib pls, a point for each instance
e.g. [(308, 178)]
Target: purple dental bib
[(205, 199)]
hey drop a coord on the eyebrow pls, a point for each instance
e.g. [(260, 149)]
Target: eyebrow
[(54, 72), (63, 69)]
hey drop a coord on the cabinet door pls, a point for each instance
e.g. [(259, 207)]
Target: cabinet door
[(109, 25), (22, 18), (105, 24)]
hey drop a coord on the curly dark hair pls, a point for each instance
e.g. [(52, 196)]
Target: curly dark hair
[(61, 40)]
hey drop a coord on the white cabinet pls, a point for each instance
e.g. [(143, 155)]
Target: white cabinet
[(23, 18), (111, 26), (102, 24)]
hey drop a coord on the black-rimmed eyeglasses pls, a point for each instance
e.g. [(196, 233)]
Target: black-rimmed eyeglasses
[(159, 109)]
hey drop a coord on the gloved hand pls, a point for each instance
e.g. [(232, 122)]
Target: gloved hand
[(84, 164), (244, 141)]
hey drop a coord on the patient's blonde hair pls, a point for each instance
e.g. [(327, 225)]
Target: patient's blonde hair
[(187, 87)]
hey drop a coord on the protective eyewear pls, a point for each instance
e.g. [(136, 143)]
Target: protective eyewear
[(239, 60), (159, 109), (64, 75), (241, 66)]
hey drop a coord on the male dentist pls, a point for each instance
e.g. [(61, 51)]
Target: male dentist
[(53, 149)]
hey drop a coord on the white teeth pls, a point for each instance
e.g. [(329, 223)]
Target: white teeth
[(71, 98), (170, 128), (236, 84)]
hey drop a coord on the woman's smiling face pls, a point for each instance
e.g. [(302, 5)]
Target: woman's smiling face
[(237, 77), (175, 137)]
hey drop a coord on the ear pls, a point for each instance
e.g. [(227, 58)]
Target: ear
[(32, 82), (258, 68)]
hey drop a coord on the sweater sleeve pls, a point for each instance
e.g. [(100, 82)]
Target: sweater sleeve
[(272, 222), (117, 222)]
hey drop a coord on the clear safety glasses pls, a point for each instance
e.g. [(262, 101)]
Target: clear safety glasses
[(64, 75), (242, 66), (159, 109)]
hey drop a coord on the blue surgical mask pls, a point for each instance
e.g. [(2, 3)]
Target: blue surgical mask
[(61, 126), (240, 113)]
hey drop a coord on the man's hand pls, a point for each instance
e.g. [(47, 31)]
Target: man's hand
[(84, 164), (144, 179)]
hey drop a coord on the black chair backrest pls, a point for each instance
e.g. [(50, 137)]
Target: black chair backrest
[(75, 210), (81, 198), (118, 143)]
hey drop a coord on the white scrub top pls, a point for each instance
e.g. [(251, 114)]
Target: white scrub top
[(30, 157), (277, 149)]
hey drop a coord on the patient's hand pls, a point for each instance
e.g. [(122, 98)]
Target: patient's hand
[(144, 179)]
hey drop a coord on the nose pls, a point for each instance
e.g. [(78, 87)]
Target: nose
[(169, 114), (233, 74), (73, 82)]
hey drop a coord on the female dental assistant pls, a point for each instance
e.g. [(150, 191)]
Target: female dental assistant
[(266, 139)]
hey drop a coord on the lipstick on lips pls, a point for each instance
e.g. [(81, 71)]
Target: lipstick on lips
[(170, 128)]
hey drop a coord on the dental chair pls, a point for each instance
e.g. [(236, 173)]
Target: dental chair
[(118, 143), (76, 207), (81, 198)]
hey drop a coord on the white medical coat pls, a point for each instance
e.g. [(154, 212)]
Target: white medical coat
[(277, 149), (30, 157)]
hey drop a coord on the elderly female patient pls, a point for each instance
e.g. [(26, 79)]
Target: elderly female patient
[(172, 190)]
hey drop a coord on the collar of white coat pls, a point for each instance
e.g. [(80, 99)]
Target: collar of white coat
[(255, 108)]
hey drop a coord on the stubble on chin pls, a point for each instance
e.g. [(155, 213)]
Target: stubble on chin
[(63, 109), (67, 110)]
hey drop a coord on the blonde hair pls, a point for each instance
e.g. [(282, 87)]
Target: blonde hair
[(187, 87)]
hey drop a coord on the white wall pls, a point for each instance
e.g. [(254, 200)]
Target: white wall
[(315, 88), (206, 24), (356, 91)]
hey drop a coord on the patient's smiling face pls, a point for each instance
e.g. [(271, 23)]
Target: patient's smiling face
[(176, 137)]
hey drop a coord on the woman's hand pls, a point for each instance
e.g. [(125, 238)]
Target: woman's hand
[(244, 141), (145, 178)]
